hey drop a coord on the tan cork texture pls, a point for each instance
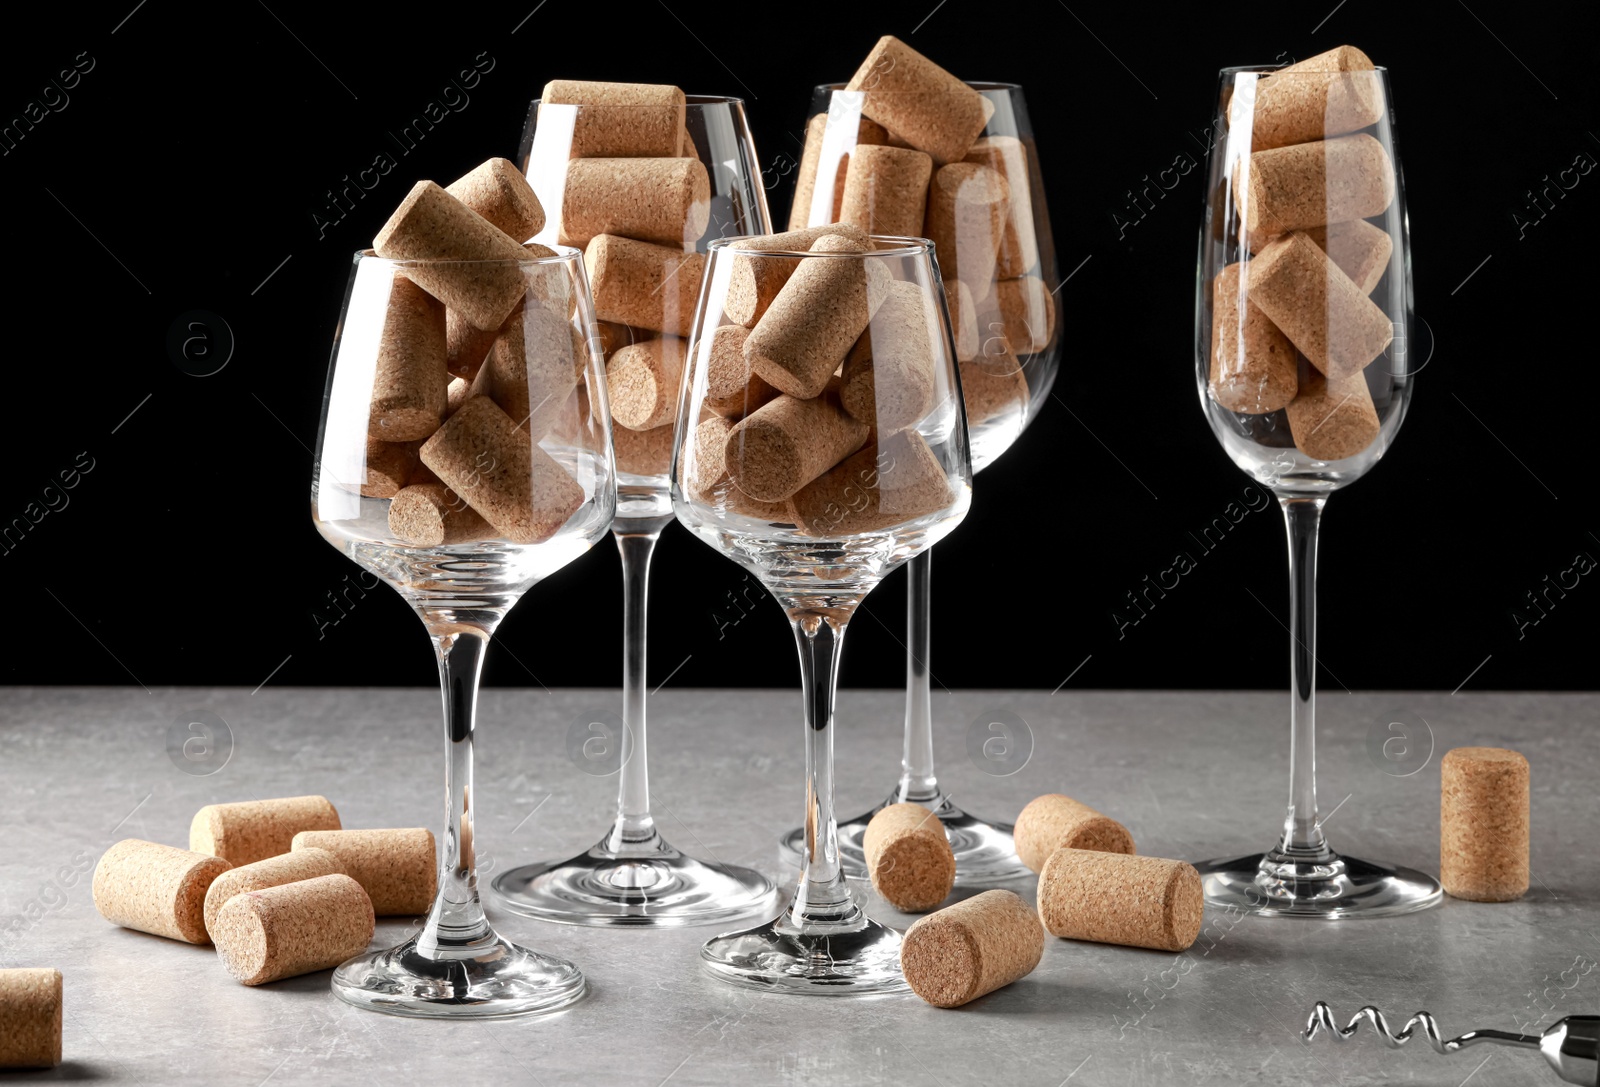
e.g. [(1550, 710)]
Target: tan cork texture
[(733, 388), (1019, 245), (971, 948), (663, 200), (1325, 95), (1313, 184), (909, 857), (1254, 368), (492, 463), (432, 515), (296, 928), (888, 380), (1027, 313), (1361, 250), (408, 385), (920, 102), (756, 281), (1114, 898), (496, 190), (643, 452), (867, 132), (1053, 822), (896, 480), (253, 830), (705, 473), (458, 392), (620, 120), (783, 445), (642, 382), (1333, 418), (284, 868), (643, 285), (967, 213), (1484, 824), (159, 889), (465, 347), (468, 259), (813, 322), (963, 320), (390, 466), (886, 190), (530, 370), (1324, 313), (30, 1017), (993, 384), (395, 866)]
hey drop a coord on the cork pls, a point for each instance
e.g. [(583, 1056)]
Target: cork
[(614, 334), (705, 473), (1253, 365), (785, 444), (620, 120), (642, 382), (469, 259), (1027, 313), (967, 213), (1019, 245), (465, 347), (530, 370), (1483, 824), (888, 378), (867, 132), (963, 319), (886, 190), (496, 190), (1361, 250), (1333, 418), (1053, 822), (1325, 95), (664, 200), (813, 322), (272, 872), (643, 452), (993, 383), (971, 948), (253, 830), (1317, 306), (896, 480), (920, 102), (755, 281), (1114, 898), (733, 389), (643, 285), (30, 1017), (395, 866), (513, 484), (408, 384), (1313, 184), (909, 857), (159, 889), (389, 467), (296, 928), (432, 515), (458, 392)]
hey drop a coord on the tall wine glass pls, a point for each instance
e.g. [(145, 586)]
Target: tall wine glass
[(461, 516), (820, 491), (1302, 313), (1002, 284), (645, 293)]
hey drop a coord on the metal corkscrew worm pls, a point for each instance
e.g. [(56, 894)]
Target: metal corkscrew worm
[(1570, 1045)]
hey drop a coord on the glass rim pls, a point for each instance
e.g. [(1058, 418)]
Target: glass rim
[(689, 101), (975, 84), (1267, 69), (563, 254), (903, 246)]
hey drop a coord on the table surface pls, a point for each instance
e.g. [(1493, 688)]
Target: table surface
[(1193, 775)]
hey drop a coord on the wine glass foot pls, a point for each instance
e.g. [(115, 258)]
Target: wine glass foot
[(1337, 887), (985, 851), (650, 886), (860, 959), (493, 979)]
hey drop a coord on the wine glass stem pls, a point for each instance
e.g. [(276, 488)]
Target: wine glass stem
[(822, 895), (1302, 831), (634, 824), (918, 783)]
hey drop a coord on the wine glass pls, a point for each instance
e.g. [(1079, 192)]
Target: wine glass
[(645, 292), (820, 483), (1302, 313), (988, 219), (462, 503)]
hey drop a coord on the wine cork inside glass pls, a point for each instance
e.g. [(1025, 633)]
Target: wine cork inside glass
[(663, 200), (530, 370), (1313, 184), (496, 190), (733, 388), (805, 192), (408, 386), (1325, 95), (432, 515), (787, 443), (886, 190), (1019, 245), (920, 102), (643, 285), (1254, 369), (620, 120), (888, 378), (1361, 250), (642, 382), (1324, 314), (893, 481), (1333, 418), (756, 281), (968, 209)]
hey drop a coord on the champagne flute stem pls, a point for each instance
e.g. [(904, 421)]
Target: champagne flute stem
[(918, 782), (822, 896), (1302, 830), (634, 826)]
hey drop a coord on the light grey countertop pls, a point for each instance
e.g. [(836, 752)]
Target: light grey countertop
[(1193, 775)]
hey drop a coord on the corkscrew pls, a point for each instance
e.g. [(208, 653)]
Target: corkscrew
[(1570, 1045)]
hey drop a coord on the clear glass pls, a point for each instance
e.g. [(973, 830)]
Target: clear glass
[(819, 492), (1302, 316), (462, 503), (632, 875), (1001, 277)]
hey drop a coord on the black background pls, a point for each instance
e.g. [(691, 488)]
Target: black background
[(184, 172)]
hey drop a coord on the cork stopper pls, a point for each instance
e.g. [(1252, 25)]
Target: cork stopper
[(496, 190), (1325, 95), (888, 380), (409, 383), (396, 867), (1361, 250), (886, 190), (1114, 898), (785, 444), (963, 320), (530, 370), (1313, 184), (1330, 319), (920, 102), (154, 888), (30, 1013), (252, 830), (1253, 365), (1027, 313), (663, 200), (642, 382), (1019, 246), (292, 929), (733, 388), (968, 209), (909, 858), (993, 383), (1333, 418), (272, 872), (432, 515), (896, 480), (620, 120), (643, 452), (1484, 824), (706, 473), (465, 347), (643, 285), (755, 281), (1053, 822), (971, 948), (811, 170), (389, 466)]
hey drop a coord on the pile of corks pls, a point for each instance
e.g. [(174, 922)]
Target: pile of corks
[(1303, 196)]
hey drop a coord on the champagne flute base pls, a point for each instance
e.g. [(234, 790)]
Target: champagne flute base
[(985, 851), (858, 958), (1330, 889), (489, 979)]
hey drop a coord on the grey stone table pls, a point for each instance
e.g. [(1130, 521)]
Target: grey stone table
[(1194, 775)]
